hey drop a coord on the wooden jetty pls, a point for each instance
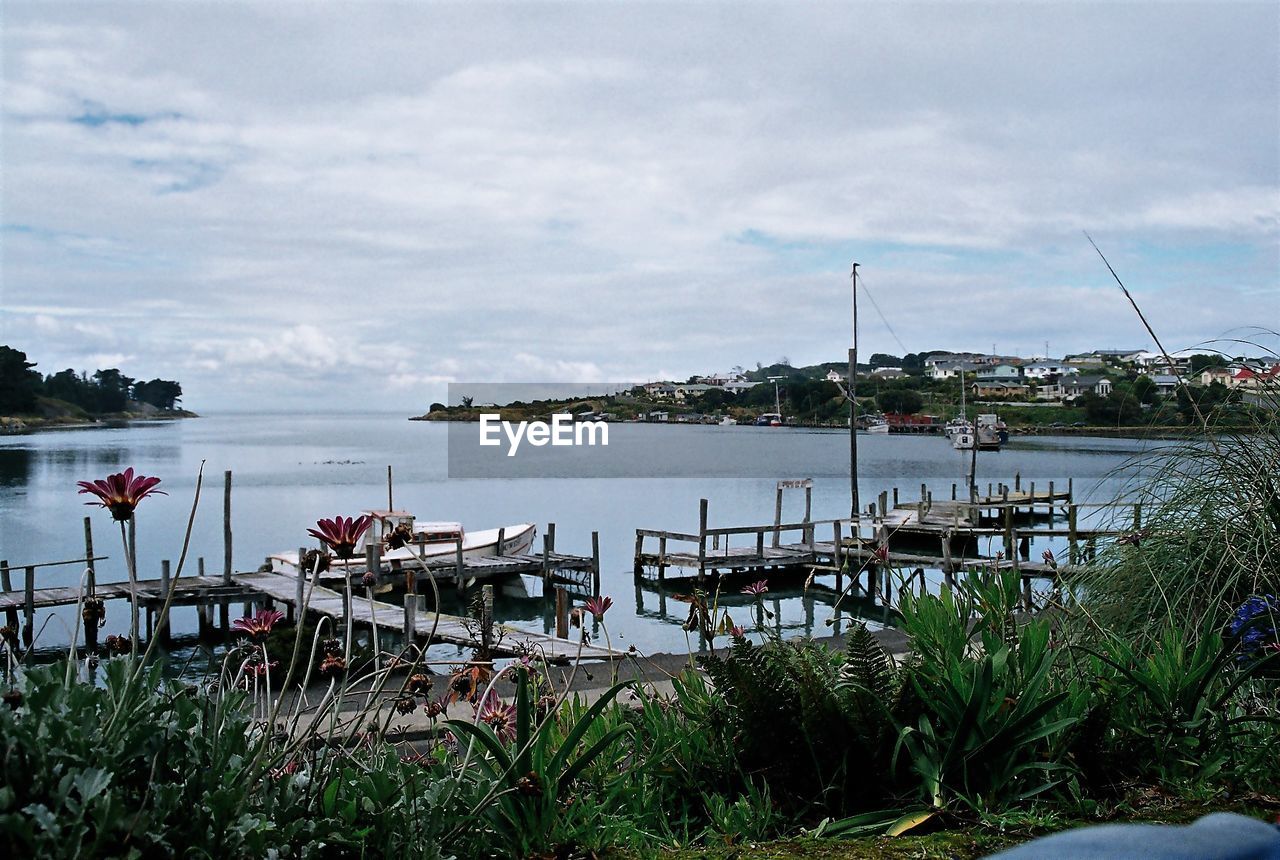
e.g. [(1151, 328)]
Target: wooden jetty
[(506, 640), (563, 576), (949, 529)]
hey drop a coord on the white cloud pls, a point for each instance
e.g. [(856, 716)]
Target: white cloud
[(420, 194)]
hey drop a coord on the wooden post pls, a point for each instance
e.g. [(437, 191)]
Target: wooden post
[(777, 516), (410, 618), (702, 538), (299, 596), (1051, 504), (948, 570), (639, 568), (895, 498), (551, 535), (390, 505), (1017, 481), (11, 615), (486, 620), (1071, 493), (29, 610), (595, 564), (226, 528), (662, 557), (90, 628), (760, 544), (884, 501), (204, 609), (546, 558), (1008, 522), (1071, 533), (502, 540), (837, 549), (162, 615), (953, 492), (562, 613), (808, 502), (459, 568)]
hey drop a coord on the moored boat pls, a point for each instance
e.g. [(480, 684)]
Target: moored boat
[(404, 541)]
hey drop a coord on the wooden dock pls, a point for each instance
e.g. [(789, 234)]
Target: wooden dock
[(921, 535), (506, 641), (563, 576)]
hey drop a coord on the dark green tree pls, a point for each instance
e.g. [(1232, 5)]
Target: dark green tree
[(19, 384), (903, 401)]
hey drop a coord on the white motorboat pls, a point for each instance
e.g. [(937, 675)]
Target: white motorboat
[(727, 421), (878, 424), (429, 540)]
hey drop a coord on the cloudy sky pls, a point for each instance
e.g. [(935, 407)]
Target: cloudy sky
[(311, 204)]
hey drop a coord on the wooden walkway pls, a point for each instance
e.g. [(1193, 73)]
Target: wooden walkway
[(507, 641), (189, 590)]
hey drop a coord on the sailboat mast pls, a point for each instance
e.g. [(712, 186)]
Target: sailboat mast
[(854, 507)]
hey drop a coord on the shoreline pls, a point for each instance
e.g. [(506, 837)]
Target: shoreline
[(19, 424)]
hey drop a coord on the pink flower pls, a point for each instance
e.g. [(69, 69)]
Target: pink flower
[(341, 534), (499, 717), (757, 589), (1049, 559), (369, 580), (598, 606), (259, 626), (882, 553), (120, 493), (737, 631)]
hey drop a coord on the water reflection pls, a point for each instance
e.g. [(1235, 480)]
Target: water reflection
[(15, 467)]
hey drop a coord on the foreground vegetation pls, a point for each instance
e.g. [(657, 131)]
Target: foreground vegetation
[(1151, 690)]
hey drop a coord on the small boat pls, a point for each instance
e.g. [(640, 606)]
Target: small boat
[(727, 421), (878, 424), (769, 419), (432, 540), (961, 434), (992, 432)]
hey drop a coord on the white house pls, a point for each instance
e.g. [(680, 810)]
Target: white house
[(1045, 369), (834, 375)]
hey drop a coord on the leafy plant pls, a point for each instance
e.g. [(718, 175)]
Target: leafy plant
[(528, 780), (989, 714)]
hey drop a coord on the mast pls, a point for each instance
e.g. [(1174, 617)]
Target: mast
[(854, 507)]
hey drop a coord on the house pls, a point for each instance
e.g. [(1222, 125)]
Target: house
[(660, 389), (949, 369), (1076, 386), (1006, 372), (1166, 383), (692, 390), (1222, 375), (1248, 378), (1124, 356), (1047, 368), (889, 373), (999, 389), (834, 375)]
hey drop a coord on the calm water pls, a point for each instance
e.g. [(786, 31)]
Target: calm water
[(290, 470)]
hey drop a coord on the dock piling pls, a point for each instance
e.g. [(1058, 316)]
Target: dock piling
[(29, 606), (702, 535), (595, 564), (11, 615)]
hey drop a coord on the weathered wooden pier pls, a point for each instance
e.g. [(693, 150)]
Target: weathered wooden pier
[(563, 575), (891, 534)]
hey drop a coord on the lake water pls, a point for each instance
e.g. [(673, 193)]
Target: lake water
[(290, 469)]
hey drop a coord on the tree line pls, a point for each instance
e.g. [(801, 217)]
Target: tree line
[(103, 392)]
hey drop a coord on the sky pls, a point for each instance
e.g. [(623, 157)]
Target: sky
[(314, 205)]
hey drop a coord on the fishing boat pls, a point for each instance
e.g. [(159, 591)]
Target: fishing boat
[(769, 419), (415, 540), (991, 432), (877, 424), (961, 433)]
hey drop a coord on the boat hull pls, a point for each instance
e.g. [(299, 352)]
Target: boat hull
[(516, 540)]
